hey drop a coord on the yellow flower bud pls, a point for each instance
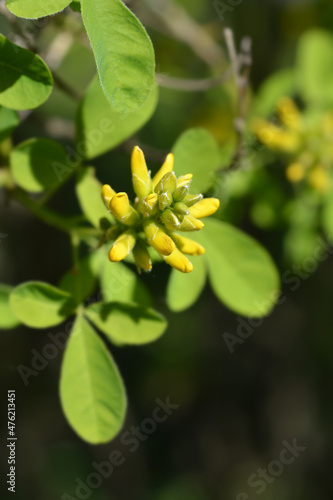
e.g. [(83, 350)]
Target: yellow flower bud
[(204, 208), (167, 183), (179, 261), (295, 172), (181, 209), (123, 211), (122, 246), (275, 137), (157, 238), (289, 113), (180, 193), (107, 195), (192, 199), (170, 220), (142, 258), (150, 205), (190, 223), (319, 179), (164, 200), (184, 180), (165, 168), (140, 176), (187, 246)]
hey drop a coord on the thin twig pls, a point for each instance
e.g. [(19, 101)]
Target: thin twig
[(188, 85)]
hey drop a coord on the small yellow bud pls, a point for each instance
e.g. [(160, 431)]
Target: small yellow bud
[(289, 113), (190, 223), (192, 199), (167, 183), (184, 180), (180, 193), (157, 238), (275, 137), (179, 261), (140, 176), (150, 205), (204, 208), (123, 211), (181, 209), (165, 168), (187, 246), (295, 172), (142, 258), (107, 195), (122, 246), (170, 220), (319, 179)]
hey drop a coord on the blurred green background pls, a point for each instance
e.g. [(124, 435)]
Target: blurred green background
[(235, 409)]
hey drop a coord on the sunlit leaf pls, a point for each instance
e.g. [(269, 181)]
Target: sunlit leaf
[(9, 120), (88, 190), (127, 323), (32, 9), (100, 127), (91, 390), (123, 51), (26, 82), (40, 305), (184, 289)]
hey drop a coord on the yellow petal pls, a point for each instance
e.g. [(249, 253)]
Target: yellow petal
[(187, 246), (295, 172), (142, 258), (122, 246), (122, 209), (140, 176), (150, 205), (184, 180), (157, 238), (107, 194), (165, 168), (319, 179), (289, 113), (179, 261), (275, 137), (190, 223), (204, 208)]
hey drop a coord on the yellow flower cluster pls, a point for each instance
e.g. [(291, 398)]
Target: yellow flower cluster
[(162, 206), (308, 147)]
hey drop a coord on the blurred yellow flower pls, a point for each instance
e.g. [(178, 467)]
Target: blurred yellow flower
[(162, 206)]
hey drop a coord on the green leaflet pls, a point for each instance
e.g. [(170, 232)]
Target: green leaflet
[(184, 289), (92, 393), (7, 318), (88, 190), (99, 127), (197, 152), (9, 120), (126, 323), (32, 9), (241, 272), (123, 51), (35, 164), (40, 305), (26, 82), (119, 283)]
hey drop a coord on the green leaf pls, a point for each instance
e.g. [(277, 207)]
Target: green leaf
[(120, 283), (75, 5), (197, 152), (81, 282), (88, 190), (127, 323), (9, 120), (7, 318), (123, 51), (32, 9), (38, 164), (100, 127), (280, 84), (184, 289), (26, 82), (315, 66), (92, 393), (40, 305), (242, 273)]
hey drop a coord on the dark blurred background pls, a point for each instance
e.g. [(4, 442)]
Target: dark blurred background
[(236, 410)]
